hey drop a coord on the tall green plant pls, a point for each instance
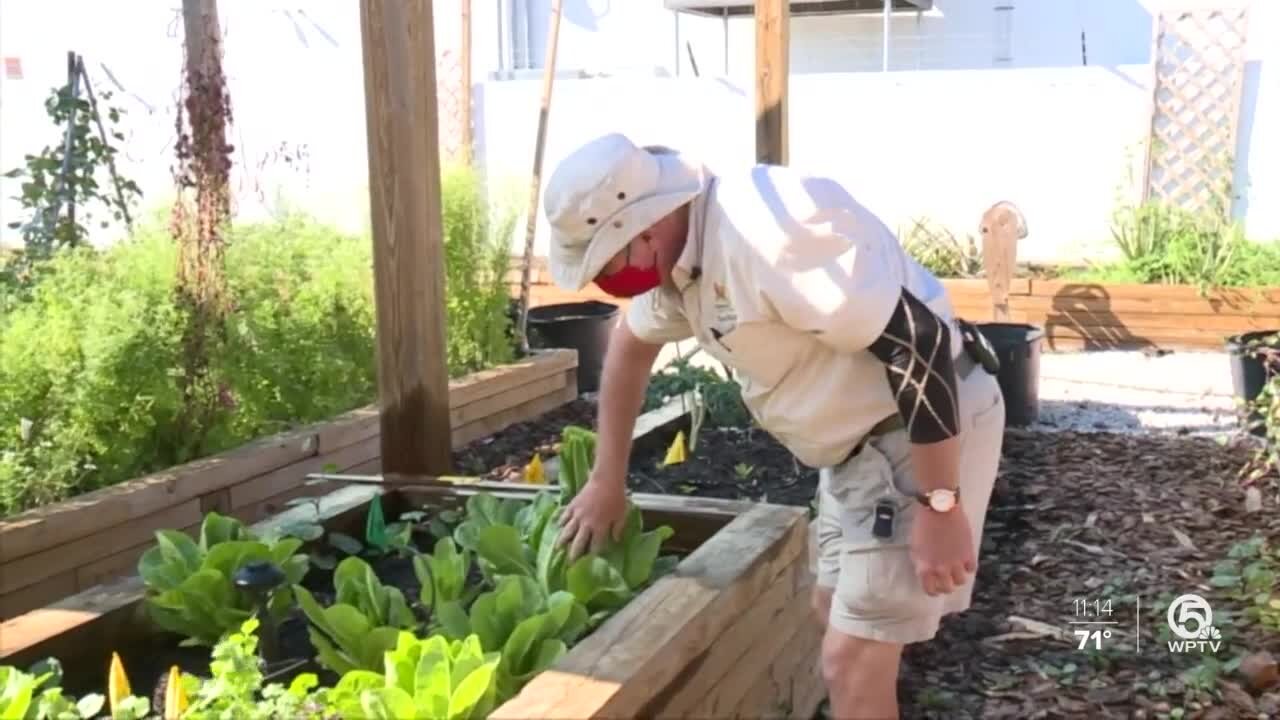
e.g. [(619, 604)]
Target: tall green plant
[(477, 245)]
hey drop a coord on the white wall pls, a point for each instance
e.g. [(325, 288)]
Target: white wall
[(942, 143), (907, 144)]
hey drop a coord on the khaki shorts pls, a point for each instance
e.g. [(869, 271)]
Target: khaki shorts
[(875, 591)]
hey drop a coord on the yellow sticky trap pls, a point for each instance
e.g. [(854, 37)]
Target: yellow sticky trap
[(117, 684), (676, 453), (175, 696), (533, 472)]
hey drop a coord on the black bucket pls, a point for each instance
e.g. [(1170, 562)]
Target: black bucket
[(582, 326), (1018, 347), (1248, 372)]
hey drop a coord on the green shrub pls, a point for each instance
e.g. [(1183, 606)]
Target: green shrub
[(1160, 244), (89, 352)]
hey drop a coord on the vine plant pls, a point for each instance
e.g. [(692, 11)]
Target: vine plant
[(76, 193)]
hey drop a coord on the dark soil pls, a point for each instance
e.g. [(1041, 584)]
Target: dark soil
[(504, 455), (1093, 517), (728, 463)]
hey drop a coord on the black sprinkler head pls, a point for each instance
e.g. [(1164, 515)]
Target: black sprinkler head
[(259, 577), (257, 580)]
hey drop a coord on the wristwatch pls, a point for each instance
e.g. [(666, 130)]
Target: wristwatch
[(939, 500)]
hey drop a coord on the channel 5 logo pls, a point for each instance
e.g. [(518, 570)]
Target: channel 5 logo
[(1191, 619)]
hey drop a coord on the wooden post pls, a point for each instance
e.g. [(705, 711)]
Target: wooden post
[(465, 82), (773, 20), (408, 252), (1002, 227)]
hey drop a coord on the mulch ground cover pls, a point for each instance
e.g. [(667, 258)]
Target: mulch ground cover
[(1079, 522), (1100, 521)]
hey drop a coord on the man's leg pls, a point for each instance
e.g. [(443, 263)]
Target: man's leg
[(877, 605)]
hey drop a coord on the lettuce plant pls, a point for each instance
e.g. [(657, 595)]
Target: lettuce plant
[(443, 574), (530, 629), (36, 695), (364, 621), (424, 679), (189, 582)]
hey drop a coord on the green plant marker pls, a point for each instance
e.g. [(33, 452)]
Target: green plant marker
[(375, 527)]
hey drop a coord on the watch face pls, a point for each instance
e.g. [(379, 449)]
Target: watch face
[(942, 501)]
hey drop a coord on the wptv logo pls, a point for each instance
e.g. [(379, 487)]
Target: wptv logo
[(1191, 619)]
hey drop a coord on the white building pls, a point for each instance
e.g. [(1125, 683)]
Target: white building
[(1043, 102)]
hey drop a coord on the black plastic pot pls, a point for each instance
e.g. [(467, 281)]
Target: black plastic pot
[(1248, 372), (582, 326), (1018, 347)]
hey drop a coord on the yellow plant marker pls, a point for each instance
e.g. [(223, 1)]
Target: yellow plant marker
[(533, 471), (676, 453), (117, 684), (175, 696)]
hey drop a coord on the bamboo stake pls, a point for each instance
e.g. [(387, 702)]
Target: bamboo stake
[(548, 75)]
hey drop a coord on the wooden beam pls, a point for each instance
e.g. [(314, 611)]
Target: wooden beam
[(408, 257), (773, 20)]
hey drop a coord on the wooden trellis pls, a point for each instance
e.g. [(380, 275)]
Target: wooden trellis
[(1198, 57)]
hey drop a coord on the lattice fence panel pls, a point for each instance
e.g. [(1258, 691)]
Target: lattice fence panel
[(1199, 72), (450, 94)]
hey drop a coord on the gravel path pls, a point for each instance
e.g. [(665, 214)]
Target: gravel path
[(1187, 393)]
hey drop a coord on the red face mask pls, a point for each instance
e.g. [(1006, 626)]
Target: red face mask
[(629, 281)]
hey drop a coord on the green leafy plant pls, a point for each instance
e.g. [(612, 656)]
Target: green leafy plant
[(1251, 574), (100, 404), (190, 588), (236, 687), (529, 546), (528, 627), (424, 679), (86, 154), (443, 574), (1263, 412), (718, 399), (37, 695), (941, 252), (483, 510), (362, 623)]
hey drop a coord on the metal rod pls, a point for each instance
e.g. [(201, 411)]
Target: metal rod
[(445, 481)]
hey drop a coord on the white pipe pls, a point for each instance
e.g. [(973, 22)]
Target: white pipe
[(528, 32), (503, 47), (676, 15), (724, 13), (888, 6)]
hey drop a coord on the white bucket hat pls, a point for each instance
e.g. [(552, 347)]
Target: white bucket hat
[(604, 194)]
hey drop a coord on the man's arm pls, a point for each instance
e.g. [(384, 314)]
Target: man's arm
[(915, 347), (628, 364)]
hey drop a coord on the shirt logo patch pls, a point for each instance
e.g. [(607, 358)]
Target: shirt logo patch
[(726, 318)]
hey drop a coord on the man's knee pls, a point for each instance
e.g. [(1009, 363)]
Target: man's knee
[(862, 665)]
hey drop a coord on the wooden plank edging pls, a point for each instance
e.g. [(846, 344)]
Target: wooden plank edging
[(51, 526), (40, 626)]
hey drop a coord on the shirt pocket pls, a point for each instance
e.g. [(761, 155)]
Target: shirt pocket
[(757, 351)]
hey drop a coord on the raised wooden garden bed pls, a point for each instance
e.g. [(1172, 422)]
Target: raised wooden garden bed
[(726, 632), (55, 551), (1092, 316), (1075, 316)]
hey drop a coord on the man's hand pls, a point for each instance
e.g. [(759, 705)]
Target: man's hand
[(942, 550), (597, 513)]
